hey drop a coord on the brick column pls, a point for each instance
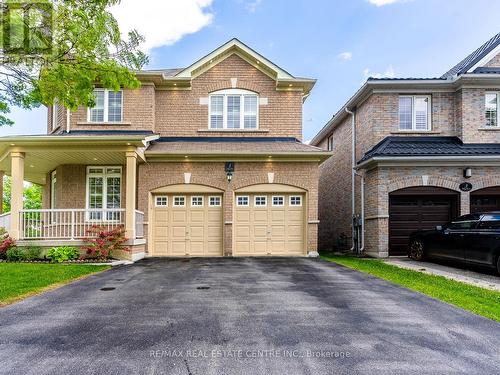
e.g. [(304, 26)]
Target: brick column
[(16, 200), (464, 202), (130, 194)]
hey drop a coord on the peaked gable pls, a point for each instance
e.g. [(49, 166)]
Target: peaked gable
[(479, 58)]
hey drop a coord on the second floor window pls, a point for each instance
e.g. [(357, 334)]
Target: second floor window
[(414, 112), (330, 143), (492, 104), (108, 106), (233, 109)]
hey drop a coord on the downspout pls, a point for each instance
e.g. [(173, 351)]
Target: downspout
[(362, 248), (353, 172)]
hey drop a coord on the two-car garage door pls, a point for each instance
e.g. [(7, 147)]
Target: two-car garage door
[(191, 224)]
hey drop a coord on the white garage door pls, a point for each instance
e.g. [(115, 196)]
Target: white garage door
[(187, 225), (269, 224)]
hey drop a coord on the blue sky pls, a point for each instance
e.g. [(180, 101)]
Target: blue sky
[(337, 42)]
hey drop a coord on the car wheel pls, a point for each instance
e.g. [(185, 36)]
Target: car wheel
[(498, 265), (416, 250)]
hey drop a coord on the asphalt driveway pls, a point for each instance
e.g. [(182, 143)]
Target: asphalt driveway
[(242, 316)]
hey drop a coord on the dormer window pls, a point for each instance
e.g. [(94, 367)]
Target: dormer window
[(233, 109), (108, 106), (491, 110)]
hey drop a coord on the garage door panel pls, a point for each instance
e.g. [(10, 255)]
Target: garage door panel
[(179, 216), (242, 216), (197, 217), (242, 247), (178, 247), (260, 216), (260, 231), (242, 231), (278, 231)]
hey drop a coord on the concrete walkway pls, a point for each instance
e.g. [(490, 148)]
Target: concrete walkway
[(482, 278)]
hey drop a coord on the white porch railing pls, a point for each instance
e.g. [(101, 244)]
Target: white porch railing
[(5, 221), (66, 223), (139, 224)]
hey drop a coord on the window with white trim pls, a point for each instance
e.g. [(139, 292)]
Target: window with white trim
[(179, 201), (242, 200), (295, 200), (330, 143), (233, 109), (161, 201), (214, 201), (278, 200), (197, 201), (415, 112), (104, 192), (492, 104), (108, 106), (260, 200)]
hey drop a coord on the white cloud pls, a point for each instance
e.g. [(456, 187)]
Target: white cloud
[(345, 55), (381, 3), (163, 22), (389, 73), (252, 5)]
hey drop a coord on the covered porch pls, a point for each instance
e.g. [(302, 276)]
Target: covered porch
[(88, 180)]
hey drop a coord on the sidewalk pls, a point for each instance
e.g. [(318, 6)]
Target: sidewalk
[(486, 280)]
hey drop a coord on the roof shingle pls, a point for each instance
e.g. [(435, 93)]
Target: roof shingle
[(429, 146)]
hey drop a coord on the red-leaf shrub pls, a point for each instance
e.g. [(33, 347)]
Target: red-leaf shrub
[(101, 242), (6, 244)]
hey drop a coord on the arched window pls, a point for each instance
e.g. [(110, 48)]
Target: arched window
[(233, 109)]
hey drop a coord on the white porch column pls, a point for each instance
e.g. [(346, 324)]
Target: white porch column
[(16, 199), (130, 194)]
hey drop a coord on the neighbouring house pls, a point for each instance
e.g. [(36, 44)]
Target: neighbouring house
[(411, 153), (200, 161)]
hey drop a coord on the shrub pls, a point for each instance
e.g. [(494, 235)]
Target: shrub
[(3, 232), (14, 254), (104, 242), (5, 245), (31, 252), (62, 254)]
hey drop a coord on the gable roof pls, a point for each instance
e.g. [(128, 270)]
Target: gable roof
[(476, 57), (234, 46), (180, 78), (394, 146)]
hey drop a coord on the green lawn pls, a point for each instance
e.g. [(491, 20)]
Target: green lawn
[(471, 298), (20, 280)]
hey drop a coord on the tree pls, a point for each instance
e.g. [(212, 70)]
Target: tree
[(74, 45), (32, 195)]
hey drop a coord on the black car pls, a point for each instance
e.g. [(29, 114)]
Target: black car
[(473, 238)]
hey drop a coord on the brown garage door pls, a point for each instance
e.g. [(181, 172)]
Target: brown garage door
[(187, 225), (269, 224), (418, 208), (484, 200)]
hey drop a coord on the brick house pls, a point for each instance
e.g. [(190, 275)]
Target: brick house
[(411, 153), (200, 161)]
